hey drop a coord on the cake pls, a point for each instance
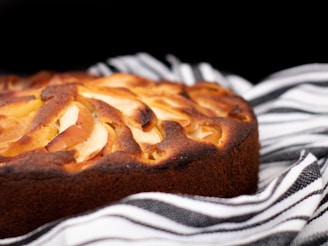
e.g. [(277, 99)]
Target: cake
[(71, 142)]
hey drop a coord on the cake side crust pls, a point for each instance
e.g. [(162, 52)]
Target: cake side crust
[(166, 137)]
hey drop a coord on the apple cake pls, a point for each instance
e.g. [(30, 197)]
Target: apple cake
[(71, 142)]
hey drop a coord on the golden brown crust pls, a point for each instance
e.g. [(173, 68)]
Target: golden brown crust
[(117, 135)]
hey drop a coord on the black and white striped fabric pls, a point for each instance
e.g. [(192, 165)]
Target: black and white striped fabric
[(291, 205)]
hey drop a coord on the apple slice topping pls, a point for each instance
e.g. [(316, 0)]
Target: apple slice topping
[(79, 131), (93, 145), (97, 117), (74, 126), (69, 117), (206, 133)]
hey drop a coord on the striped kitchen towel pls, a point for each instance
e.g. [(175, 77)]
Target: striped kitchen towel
[(291, 204)]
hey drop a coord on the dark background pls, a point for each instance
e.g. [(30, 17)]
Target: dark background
[(252, 41)]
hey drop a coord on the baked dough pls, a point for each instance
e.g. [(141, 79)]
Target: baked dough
[(71, 142)]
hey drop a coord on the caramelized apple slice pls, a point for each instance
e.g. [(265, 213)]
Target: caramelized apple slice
[(137, 113), (126, 105), (94, 144), (209, 133), (151, 136), (11, 129), (16, 118), (75, 126), (21, 107), (69, 117), (35, 139), (120, 80), (165, 111)]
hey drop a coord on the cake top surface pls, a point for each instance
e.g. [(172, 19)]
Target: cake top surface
[(84, 117)]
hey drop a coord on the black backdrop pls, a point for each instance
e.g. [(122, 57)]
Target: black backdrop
[(252, 41)]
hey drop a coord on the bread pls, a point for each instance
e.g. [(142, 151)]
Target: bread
[(72, 142)]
